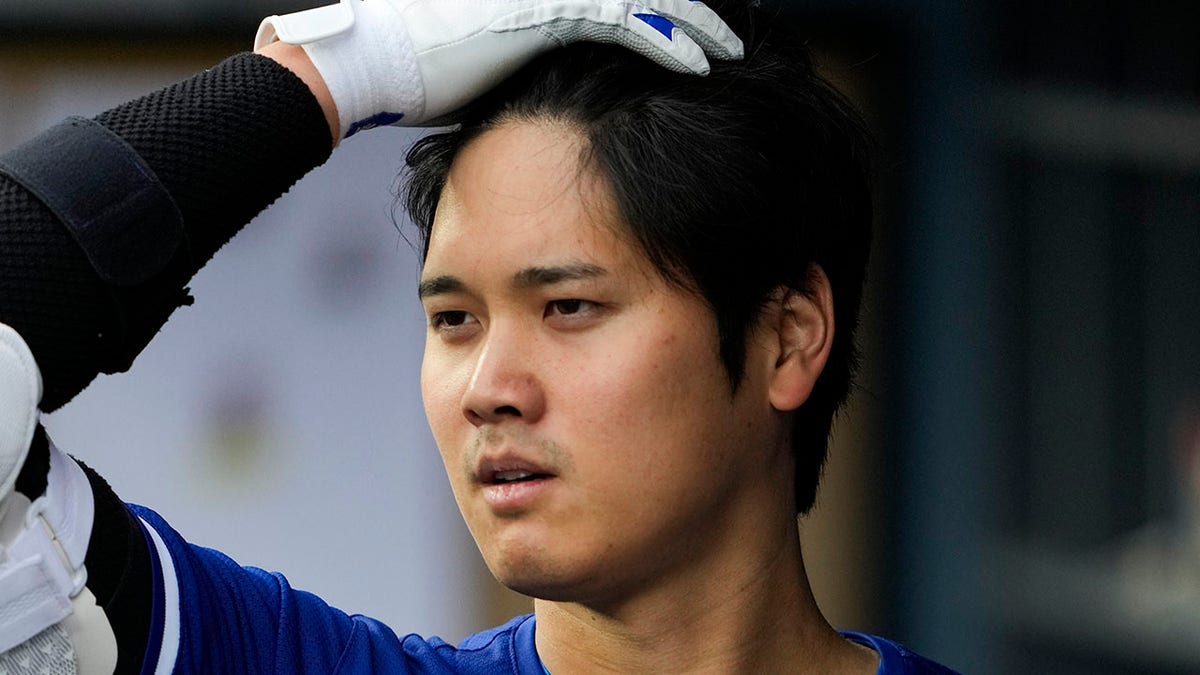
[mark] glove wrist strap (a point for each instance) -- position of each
(362, 52)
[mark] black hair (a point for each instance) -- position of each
(732, 184)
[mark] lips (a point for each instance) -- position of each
(514, 476)
(510, 484)
(504, 470)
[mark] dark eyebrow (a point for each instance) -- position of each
(438, 285)
(544, 276)
(526, 278)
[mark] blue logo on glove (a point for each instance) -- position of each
(382, 119)
(658, 23)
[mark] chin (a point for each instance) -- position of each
(542, 589)
(539, 575)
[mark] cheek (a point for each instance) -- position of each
(677, 374)
(442, 387)
(648, 402)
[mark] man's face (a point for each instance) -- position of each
(587, 427)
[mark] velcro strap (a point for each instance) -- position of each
(37, 542)
(108, 198)
(30, 600)
(306, 26)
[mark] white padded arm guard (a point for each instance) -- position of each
(20, 393)
(411, 62)
(49, 621)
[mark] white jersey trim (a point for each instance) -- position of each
(169, 649)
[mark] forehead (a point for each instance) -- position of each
(519, 192)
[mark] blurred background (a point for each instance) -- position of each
(1016, 485)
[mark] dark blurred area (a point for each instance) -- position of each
(1032, 333)
(1035, 295)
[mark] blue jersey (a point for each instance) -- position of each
(211, 615)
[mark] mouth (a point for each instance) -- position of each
(511, 486)
(505, 468)
(508, 476)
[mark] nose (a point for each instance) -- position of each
(503, 384)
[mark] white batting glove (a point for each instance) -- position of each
(411, 62)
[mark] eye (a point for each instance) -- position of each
(568, 307)
(573, 313)
(450, 320)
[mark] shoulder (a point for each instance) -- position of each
(895, 658)
(217, 616)
(506, 648)
(503, 650)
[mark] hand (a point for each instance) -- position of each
(20, 392)
(411, 62)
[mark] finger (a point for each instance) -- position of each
(701, 24)
(630, 25)
(657, 38)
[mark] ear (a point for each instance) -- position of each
(805, 333)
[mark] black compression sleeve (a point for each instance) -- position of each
(225, 143)
(49, 294)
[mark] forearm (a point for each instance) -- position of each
(294, 58)
(224, 144)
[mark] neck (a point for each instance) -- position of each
(729, 614)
